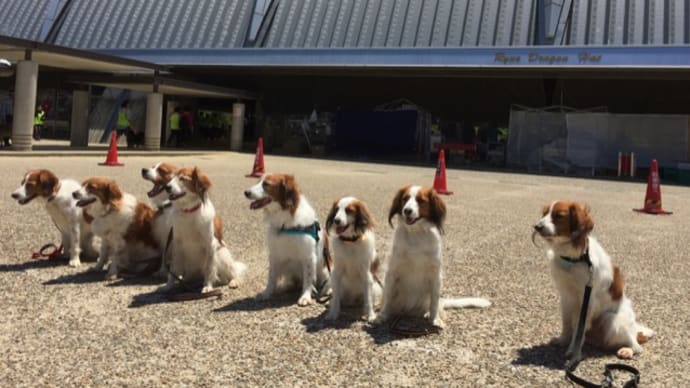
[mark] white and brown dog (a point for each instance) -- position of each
(160, 175)
(414, 277)
(197, 251)
(611, 324)
(354, 257)
(124, 225)
(297, 247)
(72, 223)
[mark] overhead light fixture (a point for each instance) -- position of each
(6, 68)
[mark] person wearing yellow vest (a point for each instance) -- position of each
(38, 122)
(175, 138)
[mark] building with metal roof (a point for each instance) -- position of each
(464, 61)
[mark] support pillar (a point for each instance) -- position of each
(24, 105)
(154, 114)
(79, 123)
(237, 131)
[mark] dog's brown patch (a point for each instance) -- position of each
(106, 190)
(141, 228)
(641, 338)
(431, 207)
(87, 217)
(41, 183)
(617, 285)
(362, 216)
(194, 180)
(165, 172)
(572, 220)
(283, 189)
(327, 256)
(218, 229)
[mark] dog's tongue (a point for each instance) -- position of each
(340, 229)
(410, 221)
(259, 203)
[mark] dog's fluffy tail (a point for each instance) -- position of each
(460, 303)
(229, 269)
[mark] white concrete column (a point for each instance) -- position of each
(237, 131)
(154, 115)
(79, 122)
(24, 105)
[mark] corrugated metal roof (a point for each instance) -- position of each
(27, 19)
(401, 23)
(109, 24)
(629, 22)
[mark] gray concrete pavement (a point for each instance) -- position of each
(63, 327)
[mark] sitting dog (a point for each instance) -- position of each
(414, 278)
(70, 220)
(297, 247)
(160, 175)
(566, 227)
(354, 257)
(197, 251)
(124, 225)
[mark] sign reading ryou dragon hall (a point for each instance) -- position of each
(535, 57)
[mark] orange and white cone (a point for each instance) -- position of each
(111, 158)
(258, 169)
(440, 178)
(652, 200)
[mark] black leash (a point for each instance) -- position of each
(575, 359)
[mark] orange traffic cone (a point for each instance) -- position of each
(111, 158)
(258, 169)
(440, 178)
(652, 200)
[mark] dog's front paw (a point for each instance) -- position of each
(234, 283)
(305, 300)
(74, 262)
(371, 317)
(380, 319)
(110, 276)
(438, 322)
(625, 353)
(206, 289)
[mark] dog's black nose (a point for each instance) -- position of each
(15, 195)
(75, 195)
(538, 227)
(143, 172)
(337, 222)
(168, 188)
(247, 193)
(407, 211)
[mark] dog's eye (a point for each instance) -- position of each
(422, 200)
(264, 184)
(348, 211)
(558, 216)
(406, 198)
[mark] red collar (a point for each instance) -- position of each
(192, 209)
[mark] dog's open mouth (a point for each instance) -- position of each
(176, 196)
(260, 203)
(157, 188)
(85, 202)
(340, 229)
(25, 200)
(411, 221)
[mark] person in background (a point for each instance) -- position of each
(175, 132)
(123, 126)
(187, 123)
(38, 122)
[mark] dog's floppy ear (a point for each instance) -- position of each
(397, 205)
(47, 181)
(437, 210)
(112, 191)
(289, 193)
(200, 181)
(581, 223)
(331, 216)
(363, 219)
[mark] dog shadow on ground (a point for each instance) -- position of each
(345, 321)
(551, 356)
(83, 277)
(32, 264)
(136, 281)
(252, 304)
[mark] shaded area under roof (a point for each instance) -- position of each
(53, 56)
